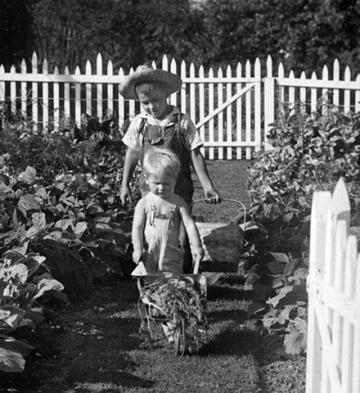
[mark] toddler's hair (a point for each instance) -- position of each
(161, 161)
(147, 87)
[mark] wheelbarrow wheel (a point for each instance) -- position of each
(180, 338)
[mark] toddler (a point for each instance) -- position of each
(158, 217)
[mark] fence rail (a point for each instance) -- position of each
(235, 131)
(333, 348)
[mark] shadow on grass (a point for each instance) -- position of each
(225, 315)
(112, 380)
(222, 292)
(89, 348)
(231, 341)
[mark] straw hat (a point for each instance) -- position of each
(145, 73)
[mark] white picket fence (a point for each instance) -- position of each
(333, 347)
(233, 109)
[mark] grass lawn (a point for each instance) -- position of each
(94, 344)
(230, 179)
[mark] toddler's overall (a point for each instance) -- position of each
(161, 235)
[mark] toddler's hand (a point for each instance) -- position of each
(136, 256)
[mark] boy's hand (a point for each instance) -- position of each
(198, 253)
(212, 196)
(136, 256)
(125, 195)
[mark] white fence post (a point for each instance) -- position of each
(269, 101)
(333, 348)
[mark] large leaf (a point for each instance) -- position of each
(280, 256)
(15, 345)
(4, 190)
(11, 361)
(39, 224)
(65, 223)
(28, 202)
(41, 192)
(48, 285)
(33, 262)
(54, 235)
(23, 248)
(18, 271)
(28, 176)
(295, 342)
(11, 316)
(283, 292)
(275, 267)
(80, 228)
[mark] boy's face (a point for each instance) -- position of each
(161, 185)
(154, 102)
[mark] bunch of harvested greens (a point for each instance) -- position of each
(169, 297)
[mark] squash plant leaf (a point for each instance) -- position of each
(11, 361)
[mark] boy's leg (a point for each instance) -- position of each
(185, 244)
(183, 238)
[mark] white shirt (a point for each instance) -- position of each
(132, 140)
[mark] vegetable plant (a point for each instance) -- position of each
(61, 222)
(309, 153)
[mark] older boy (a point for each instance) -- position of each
(162, 125)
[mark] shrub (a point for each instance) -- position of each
(61, 221)
(309, 154)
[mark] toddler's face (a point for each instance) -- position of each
(154, 102)
(161, 185)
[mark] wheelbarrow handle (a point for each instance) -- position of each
(196, 265)
(226, 200)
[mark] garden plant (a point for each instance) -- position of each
(62, 226)
(310, 153)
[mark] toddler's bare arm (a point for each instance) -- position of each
(138, 231)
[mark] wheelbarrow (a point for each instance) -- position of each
(178, 302)
(222, 241)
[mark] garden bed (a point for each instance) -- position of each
(93, 344)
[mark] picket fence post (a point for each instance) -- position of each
(269, 101)
(333, 347)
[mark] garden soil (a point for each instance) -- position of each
(93, 344)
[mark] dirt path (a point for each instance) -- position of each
(94, 346)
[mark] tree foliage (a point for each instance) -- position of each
(303, 34)
(16, 31)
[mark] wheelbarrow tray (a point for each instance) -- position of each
(222, 242)
(198, 281)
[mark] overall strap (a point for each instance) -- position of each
(142, 124)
